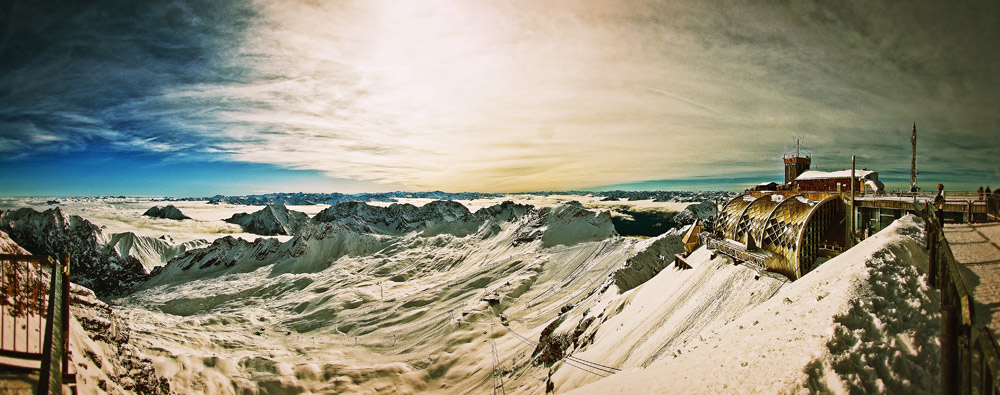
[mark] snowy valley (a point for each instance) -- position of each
(517, 294)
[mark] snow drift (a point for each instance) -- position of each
(862, 322)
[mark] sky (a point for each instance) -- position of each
(197, 98)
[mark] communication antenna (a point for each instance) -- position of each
(913, 159)
(798, 148)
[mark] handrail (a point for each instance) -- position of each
(28, 303)
(22, 305)
(970, 354)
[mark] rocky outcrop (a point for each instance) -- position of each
(9, 246)
(167, 212)
(657, 254)
(702, 211)
(273, 219)
(313, 248)
(437, 217)
(103, 354)
(52, 233)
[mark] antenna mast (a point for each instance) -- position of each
(913, 159)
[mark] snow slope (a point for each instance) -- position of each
(862, 322)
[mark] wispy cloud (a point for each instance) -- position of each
(506, 96)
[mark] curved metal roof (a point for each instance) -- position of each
(771, 223)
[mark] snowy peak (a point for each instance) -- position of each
(434, 218)
(503, 212)
(38, 230)
(273, 219)
(151, 251)
(571, 223)
(313, 248)
(52, 233)
(167, 212)
(397, 219)
(702, 211)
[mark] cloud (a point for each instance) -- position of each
(506, 96)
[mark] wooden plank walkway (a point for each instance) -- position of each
(976, 247)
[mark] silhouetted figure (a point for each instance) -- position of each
(987, 194)
(980, 191)
(940, 196)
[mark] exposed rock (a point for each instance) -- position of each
(273, 219)
(648, 263)
(437, 217)
(167, 212)
(104, 354)
(9, 246)
(52, 233)
(702, 211)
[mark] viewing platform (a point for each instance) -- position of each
(976, 248)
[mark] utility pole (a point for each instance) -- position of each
(913, 159)
(850, 240)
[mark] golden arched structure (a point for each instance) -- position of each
(791, 230)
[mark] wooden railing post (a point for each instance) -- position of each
(65, 311)
(949, 337)
(932, 263)
(50, 377)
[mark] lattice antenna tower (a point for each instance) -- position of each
(797, 153)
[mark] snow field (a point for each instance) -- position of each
(862, 322)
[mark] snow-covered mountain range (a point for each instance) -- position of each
(434, 297)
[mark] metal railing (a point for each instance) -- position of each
(970, 354)
(755, 260)
(34, 318)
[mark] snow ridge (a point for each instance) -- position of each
(273, 219)
(437, 217)
(151, 251)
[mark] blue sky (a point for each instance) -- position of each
(196, 98)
